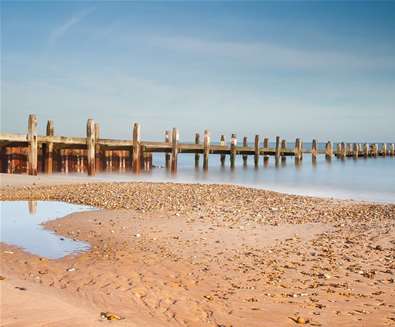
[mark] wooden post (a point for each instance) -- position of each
(167, 155)
(197, 155)
(374, 150)
(66, 161)
(245, 156)
(366, 150)
(206, 149)
(233, 144)
(223, 155)
(265, 148)
(174, 149)
(283, 149)
(256, 151)
(328, 150)
(392, 149)
(98, 150)
(277, 150)
(91, 146)
(384, 149)
(297, 149)
(48, 149)
(32, 147)
(136, 156)
(314, 149)
(342, 150)
(355, 150)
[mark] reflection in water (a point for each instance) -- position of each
(32, 207)
(21, 225)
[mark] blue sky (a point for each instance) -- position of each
(324, 70)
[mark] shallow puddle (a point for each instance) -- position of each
(21, 226)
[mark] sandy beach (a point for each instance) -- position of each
(202, 255)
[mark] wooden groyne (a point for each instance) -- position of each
(33, 153)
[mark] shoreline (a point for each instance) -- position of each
(167, 254)
(22, 180)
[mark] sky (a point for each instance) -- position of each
(322, 70)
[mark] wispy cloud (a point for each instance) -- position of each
(61, 30)
(273, 55)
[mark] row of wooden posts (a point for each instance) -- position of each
(94, 151)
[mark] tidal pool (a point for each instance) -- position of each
(21, 225)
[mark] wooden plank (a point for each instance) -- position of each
(283, 148)
(197, 156)
(206, 141)
(48, 149)
(174, 149)
(32, 147)
(392, 149)
(91, 146)
(232, 155)
(9, 137)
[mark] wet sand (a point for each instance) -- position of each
(205, 255)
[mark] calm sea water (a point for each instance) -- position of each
(21, 226)
(371, 179)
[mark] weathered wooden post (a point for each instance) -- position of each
(297, 149)
(197, 155)
(342, 150)
(174, 149)
(265, 149)
(277, 150)
(91, 146)
(48, 149)
(136, 157)
(355, 150)
(223, 155)
(256, 151)
(314, 149)
(392, 149)
(232, 156)
(206, 145)
(32, 147)
(374, 149)
(366, 150)
(167, 154)
(328, 150)
(384, 149)
(245, 156)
